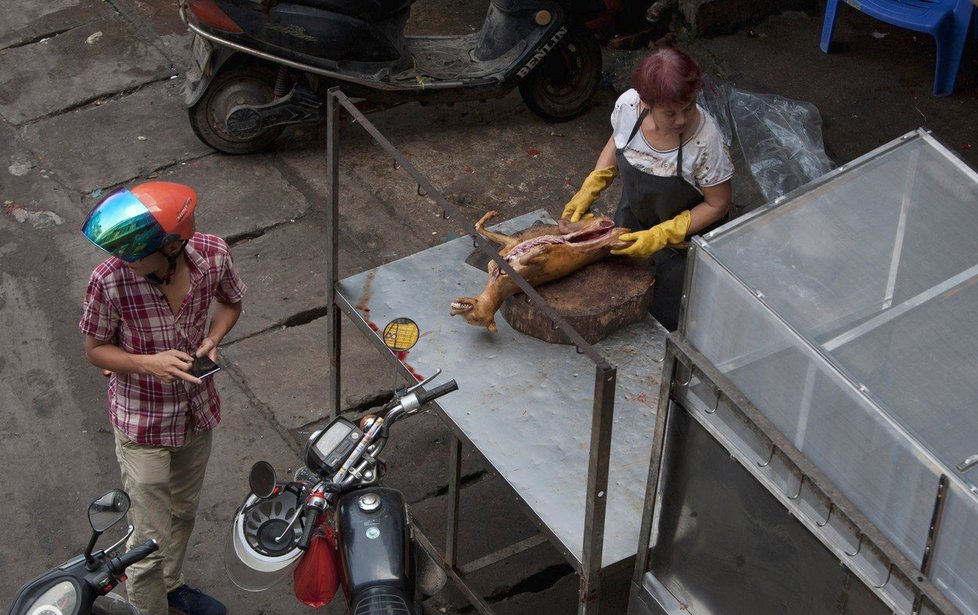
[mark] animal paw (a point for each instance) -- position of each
(481, 224)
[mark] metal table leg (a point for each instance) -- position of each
(454, 478)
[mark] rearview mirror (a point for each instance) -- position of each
(108, 510)
(261, 479)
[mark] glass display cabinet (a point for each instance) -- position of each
(818, 449)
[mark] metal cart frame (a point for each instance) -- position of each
(605, 377)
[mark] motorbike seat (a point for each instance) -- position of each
(367, 10)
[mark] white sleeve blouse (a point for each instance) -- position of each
(706, 159)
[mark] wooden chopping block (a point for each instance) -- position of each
(596, 300)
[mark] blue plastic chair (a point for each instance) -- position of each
(946, 20)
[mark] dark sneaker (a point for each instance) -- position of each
(192, 601)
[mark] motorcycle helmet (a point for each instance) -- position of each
(254, 556)
(133, 223)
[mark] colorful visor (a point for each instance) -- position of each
(122, 226)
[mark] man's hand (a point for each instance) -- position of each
(168, 366)
(207, 348)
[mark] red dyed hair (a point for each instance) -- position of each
(667, 76)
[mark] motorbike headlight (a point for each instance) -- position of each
(56, 597)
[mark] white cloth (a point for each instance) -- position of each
(706, 159)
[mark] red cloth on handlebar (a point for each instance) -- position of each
(316, 577)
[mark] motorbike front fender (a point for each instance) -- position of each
(113, 604)
(194, 86)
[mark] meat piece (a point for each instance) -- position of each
(540, 255)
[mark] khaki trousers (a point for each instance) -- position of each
(164, 486)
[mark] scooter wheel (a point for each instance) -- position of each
(560, 88)
(239, 85)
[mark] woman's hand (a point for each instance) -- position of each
(593, 185)
(605, 171)
(646, 243)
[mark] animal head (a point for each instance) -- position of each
(474, 312)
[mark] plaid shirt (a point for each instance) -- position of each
(124, 309)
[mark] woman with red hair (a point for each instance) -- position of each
(675, 171)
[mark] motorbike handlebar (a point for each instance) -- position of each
(408, 405)
(308, 525)
(119, 564)
(438, 391)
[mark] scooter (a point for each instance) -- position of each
(82, 584)
(261, 65)
(381, 569)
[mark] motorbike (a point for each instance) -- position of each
(82, 584)
(261, 65)
(381, 568)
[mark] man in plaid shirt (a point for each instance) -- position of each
(145, 320)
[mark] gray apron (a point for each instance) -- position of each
(647, 200)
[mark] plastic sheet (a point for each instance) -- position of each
(781, 139)
(715, 98)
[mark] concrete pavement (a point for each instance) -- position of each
(89, 100)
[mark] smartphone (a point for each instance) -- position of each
(203, 367)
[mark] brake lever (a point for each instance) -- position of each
(313, 499)
(112, 548)
(400, 394)
(423, 382)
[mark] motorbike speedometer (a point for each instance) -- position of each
(328, 448)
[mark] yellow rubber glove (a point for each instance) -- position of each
(647, 243)
(593, 185)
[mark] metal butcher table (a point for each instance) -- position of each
(525, 405)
